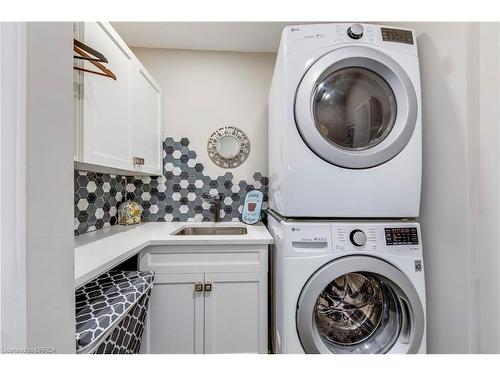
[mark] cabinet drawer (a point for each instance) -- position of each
(193, 259)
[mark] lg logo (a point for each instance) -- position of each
(295, 229)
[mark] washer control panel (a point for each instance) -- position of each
(354, 238)
(358, 237)
(401, 236)
(308, 239)
(396, 238)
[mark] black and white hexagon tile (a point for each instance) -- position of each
(175, 196)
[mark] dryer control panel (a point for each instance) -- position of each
(397, 35)
(302, 38)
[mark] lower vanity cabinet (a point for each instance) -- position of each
(175, 319)
(236, 313)
(218, 307)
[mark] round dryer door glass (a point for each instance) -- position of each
(358, 309)
(354, 108)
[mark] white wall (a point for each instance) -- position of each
(37, 250)
(49, 188)
(12, 184)
(487, 248)
(204, 90)
(448, 190)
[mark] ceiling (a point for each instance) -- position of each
(216, 36)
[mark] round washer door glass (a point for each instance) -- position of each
(358, 308)
(359, 305)
(354, 108)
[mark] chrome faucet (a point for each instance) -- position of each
(215, 201)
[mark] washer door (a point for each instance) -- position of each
(356, 107)
(359, 304)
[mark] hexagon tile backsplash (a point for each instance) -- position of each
(175, 196)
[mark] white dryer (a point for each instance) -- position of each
(345, 123)
(347, 287)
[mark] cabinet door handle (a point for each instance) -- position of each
(198, 287)
(208, 287)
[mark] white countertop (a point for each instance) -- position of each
(99, 251)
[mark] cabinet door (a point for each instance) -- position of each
(175, 316)
(146, 121)
(106, 131)
(236, 313)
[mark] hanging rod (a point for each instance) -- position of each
(92, 56)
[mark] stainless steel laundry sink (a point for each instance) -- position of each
(210, 231)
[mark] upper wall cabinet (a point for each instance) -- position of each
(118, 122)
(146, 126)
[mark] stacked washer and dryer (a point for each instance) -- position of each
(345, 175)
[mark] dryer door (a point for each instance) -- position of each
(356, 107)
(360, 304)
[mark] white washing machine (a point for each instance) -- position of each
(345, 123)
(347, 287)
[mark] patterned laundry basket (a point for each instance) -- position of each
(111, 312)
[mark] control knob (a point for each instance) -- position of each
(355, 31)
(358, 237)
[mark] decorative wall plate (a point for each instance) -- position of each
(228, 147)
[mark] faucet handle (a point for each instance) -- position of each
(212, 198)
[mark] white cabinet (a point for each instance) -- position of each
(207, 299)
(146, 117)
(106, 126)
(116, 121)
(235, 314)
(176, 315)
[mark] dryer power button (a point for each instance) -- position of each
(355, 31)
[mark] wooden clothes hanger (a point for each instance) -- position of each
(92, 56)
